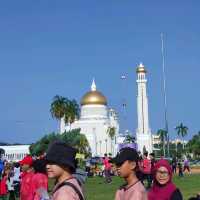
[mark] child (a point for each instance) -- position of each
(180, 170)
(26, 178)
(61, 165)
(127, 167)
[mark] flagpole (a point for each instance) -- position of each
(165, 94)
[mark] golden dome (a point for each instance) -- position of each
(93, 97)
(141, 69)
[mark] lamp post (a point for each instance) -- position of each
(100, 142)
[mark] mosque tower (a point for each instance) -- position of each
(143, 132)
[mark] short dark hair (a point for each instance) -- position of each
(145, 153)
(39, 166)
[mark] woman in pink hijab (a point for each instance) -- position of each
(163, 188)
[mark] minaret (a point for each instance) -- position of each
(143, 133)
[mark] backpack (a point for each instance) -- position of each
(72, 186)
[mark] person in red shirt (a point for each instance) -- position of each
(107, 168)
(146, 169)
(3, 187)
(40, 179)
(26, 192)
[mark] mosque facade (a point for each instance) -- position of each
(95, 120)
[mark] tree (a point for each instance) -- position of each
(73, 138)
(162, 136)
(72, 111)
(194, 145)
(129, 139)
(58, 107)
(111, 133)
(181, 131)
(63, 107)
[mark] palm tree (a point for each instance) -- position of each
(63, 107)
(162, 135)
(129, 139)
(58, 107)
(181, 131)
(111, 133)
(72, 111)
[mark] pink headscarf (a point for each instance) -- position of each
(159, 192)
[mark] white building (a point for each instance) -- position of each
(95, 119)
(143, 132)
(14, 152)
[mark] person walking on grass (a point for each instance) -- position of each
(107, 168)
(26, 178)
(61, 164)
(163, 187)
(126, 163)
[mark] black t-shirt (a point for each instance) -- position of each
(176, 195)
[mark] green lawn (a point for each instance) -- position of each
(96, 189)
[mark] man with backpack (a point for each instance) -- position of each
(61, 164)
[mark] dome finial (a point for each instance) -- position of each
(141, 65)
(141, 68)
(93, 86)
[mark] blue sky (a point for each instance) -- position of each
(57, 47)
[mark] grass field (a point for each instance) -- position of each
(96, 189)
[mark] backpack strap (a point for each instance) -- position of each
(72, 186)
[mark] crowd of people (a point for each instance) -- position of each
(145, 177)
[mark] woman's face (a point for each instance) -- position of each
(125, 169)
(162, 175)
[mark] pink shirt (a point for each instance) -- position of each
(67, 192)
(146, 166)
(134, 192)
(39, 181)
(106, 163)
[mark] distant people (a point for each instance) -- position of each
(153, 162)
(26, 178)
(174, 165)
(10, 186)
(186, 165)
(126, 163)
(107, 168)
(3, 186)
(61, 164)
(163, 188)
(16, 179)
(180, 169)
(146, 167)
(1, 167)
(39, 179)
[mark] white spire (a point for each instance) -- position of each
(141, 65)
(93, 86)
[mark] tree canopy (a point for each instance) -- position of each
(73, 138)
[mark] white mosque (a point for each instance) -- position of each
(95, 120)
